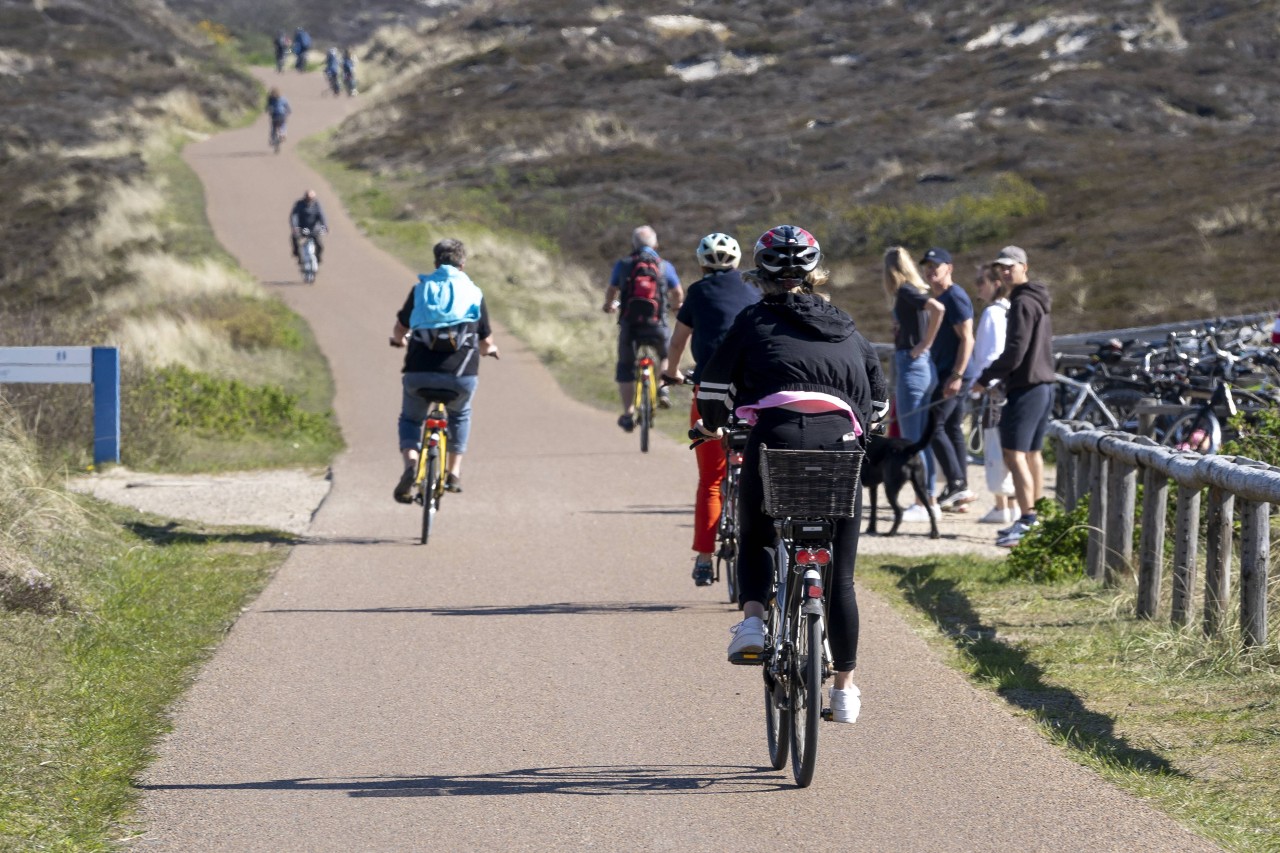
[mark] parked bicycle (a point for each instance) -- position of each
(429, 480)
(805, 491)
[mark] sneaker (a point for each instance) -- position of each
(915, 512)
(748, 638)
(627, 422)
(703, 573)
(955, 496)
(452, 483)
(845, 704)
(1015, 534)
(664, 399)
(401, 493)
(997, 516)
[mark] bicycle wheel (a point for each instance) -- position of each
(430, 498)
(806, 698)
(1197, 430)
(777, 718)
(728, 556)
(1124, 403)
(645, 411)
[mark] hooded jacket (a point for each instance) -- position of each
(791, 342)
(1027, 358)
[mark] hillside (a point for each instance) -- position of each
(1129, 150)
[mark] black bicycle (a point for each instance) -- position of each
(806, 492)
(735, 443)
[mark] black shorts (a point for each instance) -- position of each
(1025, 418)
(629, 340)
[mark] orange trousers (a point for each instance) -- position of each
(706, 507)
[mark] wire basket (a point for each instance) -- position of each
(810, 483)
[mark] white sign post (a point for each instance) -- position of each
(97, 366)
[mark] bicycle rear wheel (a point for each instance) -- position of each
(645, 411)
(806, 698)
(430, 493)
(777, 718)
(727, 558)
(1199, 431)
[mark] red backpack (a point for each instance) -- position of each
(642, 291)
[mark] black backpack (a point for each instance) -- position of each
(642, 297)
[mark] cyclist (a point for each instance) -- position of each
(307, 213)
(705, 316)
(349, 71)
(799, 372)
(445, 323)
(641, 288)
(331, 64)
(278, 109)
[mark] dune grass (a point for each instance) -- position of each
(1188, 724)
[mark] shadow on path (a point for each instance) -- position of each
(1017, 679)
(176, 533)
(579, 781)
(643, 509)
(560, 608)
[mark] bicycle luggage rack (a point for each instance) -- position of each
(810, 483)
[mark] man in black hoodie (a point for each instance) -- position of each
(1026, 368)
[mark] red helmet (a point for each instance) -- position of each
(787, 252)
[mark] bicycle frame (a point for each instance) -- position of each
(434, 452)
(646, 380)
(1084, 394)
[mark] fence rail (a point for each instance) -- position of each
(1105, 464)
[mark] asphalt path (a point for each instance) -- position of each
(544, 675)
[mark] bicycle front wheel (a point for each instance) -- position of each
(777, 718)
(430, 497)
(806, 698)
(1199, 431)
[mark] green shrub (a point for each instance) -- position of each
(1257, 436)
(1054, 550)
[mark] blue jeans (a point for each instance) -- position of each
(413, 409)
(913, 383)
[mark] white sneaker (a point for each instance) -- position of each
(997, 516)
(748, 637)
(915, 512)
(845, 704)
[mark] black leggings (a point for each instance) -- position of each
(787, 430)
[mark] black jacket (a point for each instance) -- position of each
(791, 342)
(306, 215)
(1027, 358)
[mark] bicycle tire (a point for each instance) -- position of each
(430, 494)
(1123, 403)
(806, 698)
(730, 558)
(777, 718)
(645, 411)
(1182, 430)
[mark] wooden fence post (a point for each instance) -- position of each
(1123, 487)
(1217, 564)
(1065, 485)
(1098, 493)
(1155, 496)
(1255, 552)
(1184, 553)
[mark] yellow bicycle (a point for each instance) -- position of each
(646, 395)
(428, 481)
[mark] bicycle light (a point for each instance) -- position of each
(813, 556)
(812, 584)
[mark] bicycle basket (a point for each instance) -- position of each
(810, 483)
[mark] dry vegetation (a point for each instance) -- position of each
(1138, 138)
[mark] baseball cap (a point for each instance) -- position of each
(1011, 255)
(936, 256)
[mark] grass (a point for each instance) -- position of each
(1190, 725)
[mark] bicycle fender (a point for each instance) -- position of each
(811, 607)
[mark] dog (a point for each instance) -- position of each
(894, 462)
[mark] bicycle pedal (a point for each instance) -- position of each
(747, 658)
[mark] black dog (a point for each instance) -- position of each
(895, 462)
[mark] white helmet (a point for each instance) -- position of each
(719, 252)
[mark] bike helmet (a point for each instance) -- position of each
(719, 252)
(787, 252)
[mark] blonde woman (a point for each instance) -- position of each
(989, 343)
(917, 316)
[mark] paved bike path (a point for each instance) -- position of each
(544, 675)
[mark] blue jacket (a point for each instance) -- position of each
(444, 298)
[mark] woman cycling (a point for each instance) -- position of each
(796, 369)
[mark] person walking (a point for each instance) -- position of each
(951, 349)
(917, 316)
(642, 287)
(705, 316)
(988, 342)
(1025, 366)
(444, 323)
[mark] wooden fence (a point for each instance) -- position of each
(1106, 465)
